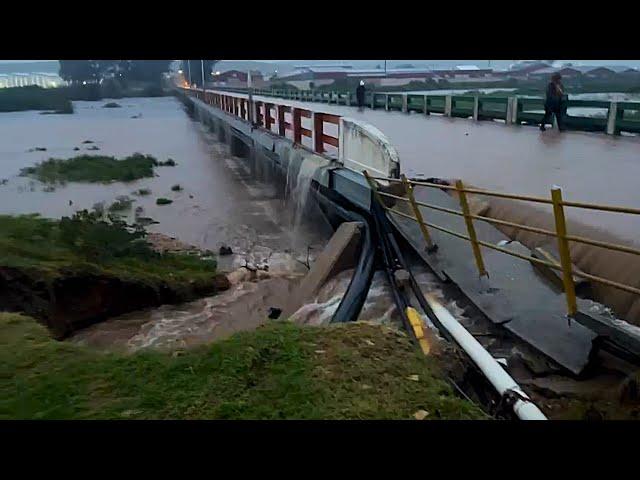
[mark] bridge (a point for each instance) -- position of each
(590, 167)
(356, 175)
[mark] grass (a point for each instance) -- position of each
(49, 249)
(93, 168)
(280, 371)
(34, 98)
(163, 201)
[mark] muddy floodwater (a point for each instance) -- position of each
(220, 202)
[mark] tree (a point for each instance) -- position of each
(76, 71)
(146, 70)
(196, 70)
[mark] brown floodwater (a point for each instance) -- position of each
(220, 201)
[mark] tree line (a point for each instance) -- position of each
(92, 71)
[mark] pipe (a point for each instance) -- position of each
(358, 289)
(451, 329)
(352, 301)
(523, 407)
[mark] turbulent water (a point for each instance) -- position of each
(221, 203)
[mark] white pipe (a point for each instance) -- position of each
(501, 380)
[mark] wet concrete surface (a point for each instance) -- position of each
(590, 167)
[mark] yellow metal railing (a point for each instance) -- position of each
(560, 233)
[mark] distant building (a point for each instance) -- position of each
(237, 79)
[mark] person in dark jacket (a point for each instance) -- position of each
(360, 91)
(555, 103)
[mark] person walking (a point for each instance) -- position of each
(360, 91)
(555, 102)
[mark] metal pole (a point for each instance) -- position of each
(464, 204)
(202, 67)
(189, 67)
(249, 86)
(563, 249)
(416, 210)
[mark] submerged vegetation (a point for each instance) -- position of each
(280, 371)
(93, 168)
(34, 98)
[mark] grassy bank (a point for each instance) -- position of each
(71, 272)
(93, 168)
(34, 98)
(277, 372)
(90, 243)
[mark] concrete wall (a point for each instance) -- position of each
(364, 147)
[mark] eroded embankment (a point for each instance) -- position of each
(75, 271)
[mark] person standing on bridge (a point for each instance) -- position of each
(554, 101)
(360, 91)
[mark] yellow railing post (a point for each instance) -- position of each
(418, 214)
(471, 229)
(563, 248)
(373, 187)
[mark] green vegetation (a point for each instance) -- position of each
(87, 242)
(122, 203)
(176, 188)
(168, 163)
(163, 201)
(280, 371)
(34, 98)
(93, 168)
(142, 192)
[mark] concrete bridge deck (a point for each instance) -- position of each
(589, 167)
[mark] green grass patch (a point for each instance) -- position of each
(163, 201)
(280, 371)
(89, 243)
(93, 168)
(34, 98)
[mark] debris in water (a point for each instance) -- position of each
(94, 147)
(225, 250)
(274, 312)
(75, 149)
(413, 378)
(88, 141)
(163, 201)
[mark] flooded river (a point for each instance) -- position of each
(220, 203)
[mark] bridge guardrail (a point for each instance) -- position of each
(617, 116)
(560, 233)
(355, 140)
